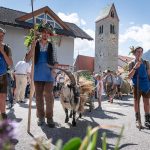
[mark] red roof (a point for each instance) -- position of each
(87, 62)
(84, 63)
(125, 58)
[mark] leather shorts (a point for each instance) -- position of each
(3, 83)
(138, 94)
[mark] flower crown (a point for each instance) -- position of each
(44, 26)
(38, 29)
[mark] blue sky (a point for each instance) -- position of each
(133, 14)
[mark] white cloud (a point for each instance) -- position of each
(83, 22)
(85, 47)
(82, 47)
(139, 34)
(73, 18)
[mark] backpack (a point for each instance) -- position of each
(6, 49)
(146, 62)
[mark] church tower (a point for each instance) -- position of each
(106, 40)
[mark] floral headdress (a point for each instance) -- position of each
(38, 29)
(44, 26)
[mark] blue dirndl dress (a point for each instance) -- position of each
(3, 65)
(41, 71)
(144, 82)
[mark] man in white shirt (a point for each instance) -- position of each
(22, 69)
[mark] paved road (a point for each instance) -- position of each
(119, 113)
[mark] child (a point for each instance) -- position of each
(99, 87)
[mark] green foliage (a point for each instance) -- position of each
(29, 38)
(126, 68)
(104, 143)
(87, 75)
(92, 143)
(88, 143)
(118, 140)
(35, 34)
(72, 144)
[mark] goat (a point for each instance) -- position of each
(74, 96)
(70, 100)
(70, 96)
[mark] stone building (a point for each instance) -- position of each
(106, 40)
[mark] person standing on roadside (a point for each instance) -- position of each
(22, 69)
(43, 76)
(5, 62)
(139, 73)
(100, 90)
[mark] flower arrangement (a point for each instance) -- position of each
(7, 134)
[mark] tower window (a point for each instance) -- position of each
(112, 29)
(101, 29)
(112, 14)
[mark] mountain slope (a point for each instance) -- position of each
(146, 55)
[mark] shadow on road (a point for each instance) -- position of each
(116, 113)
(99, 114)
(126, 145)
(125, 104)
(79, 131)
(11, 115)
(111, 146)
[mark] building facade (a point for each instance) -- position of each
(84, 63)
(18, 24)
(106, 40)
